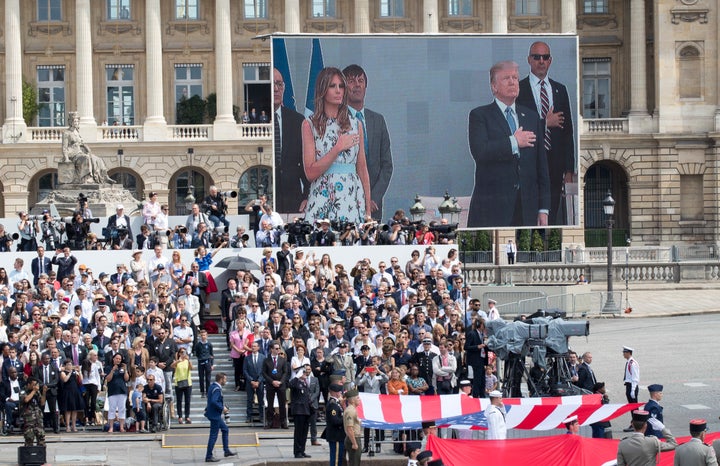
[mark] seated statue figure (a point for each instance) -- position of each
(89, 168)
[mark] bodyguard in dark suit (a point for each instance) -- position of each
(476, 356)
(214, 411)
(292, 192)
(275, 373)
(511, 172)
(48, 375)
(377, 143)
(41, 264)
(254, 382)
(559, 141)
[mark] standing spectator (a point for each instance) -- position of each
(92, 372)
(238, 349)
(444, 367)
(598, 428)
(510, 250)
(586, 376)
(70, 392)
(275, 373)
(183, 384)
(116, 380)
(10, 392)
(254, 384)
(353, 428)
(301, 408)
(423, 360)
(495, 415)
(66, 264)
(214, 411)
(203, 351)
(164, 350)
(372, 380)
(631, 378)
(151, 210)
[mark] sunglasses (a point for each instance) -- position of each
(537, 56)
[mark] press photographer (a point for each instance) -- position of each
(368, 232)
(6, 240)
(215, 206)
(51, 230)
(267, 236)
(119, 230)
(239, 240)
(28, 228)
(180, 238)
(348, 233)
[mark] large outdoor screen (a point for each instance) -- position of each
(418, 114)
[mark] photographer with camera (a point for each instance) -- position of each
(195, 219)
(215, 206)
(394, 234)
(368, 232)
(28, 228)
(77, 231)
(51, 230)
(239, 241)
(180, 238)
(6, 239)
(119, 225)
(348, 234)
(267, 236)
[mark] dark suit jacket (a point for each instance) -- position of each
(285, 262)
(35, 267)
(300, 402)
(82, 353)
(6, 365)
(293, 184)
(252, 372)
(473, 354)
(215, 403)
(282, 373)
(66, 265)
(226, 300)
(5, 388)
(585, 378)
(112, 223)
(499, 173)
(140, 240)
(379, 158)
(561, 158)
(53, 379)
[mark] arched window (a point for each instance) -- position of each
(129, 181)
(179, 190)
(255, 181)
(44, 185)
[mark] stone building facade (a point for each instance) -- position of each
(648, 77)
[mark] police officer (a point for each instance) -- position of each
(653, 407)
(334, 432)
(695, 452)
(32, 400)
(636, 449)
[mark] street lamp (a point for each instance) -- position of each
(455, 211)
(190, 198)
(446, 205)
(417, 211)
(610, 306)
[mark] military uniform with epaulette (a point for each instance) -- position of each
(335, 433)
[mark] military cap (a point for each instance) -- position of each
(656, 387)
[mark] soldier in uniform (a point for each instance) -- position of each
(353, 428)
(342, 360)
(423, 359)
(653, 407)
(32, 400)
(300, 405)
(638, 450)
(334, 432)
(695, 452)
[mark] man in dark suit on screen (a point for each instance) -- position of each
(292, 184)
(553, 105)
(377, 143)
(511, 171)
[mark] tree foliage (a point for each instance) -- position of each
(30, 105)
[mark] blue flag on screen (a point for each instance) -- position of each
(316, 65)
(280, 61)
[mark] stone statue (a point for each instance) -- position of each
(89, 168)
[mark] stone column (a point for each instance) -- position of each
(638, 87)
(362, 17)
(292, 15)
(155, 126)
(499, 17)
(568, 15)
(430, 16)
(83, 61)
(14, 124)
(225, 127)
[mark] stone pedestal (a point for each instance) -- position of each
(102, 199)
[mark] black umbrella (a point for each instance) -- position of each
(238, 263)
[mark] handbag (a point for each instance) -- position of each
(183, 384)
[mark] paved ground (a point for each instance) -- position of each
(275, 447)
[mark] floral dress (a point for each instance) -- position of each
(337, 194)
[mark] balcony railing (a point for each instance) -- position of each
(120, 133)
(605, 126)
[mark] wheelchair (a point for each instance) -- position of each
(16, 422)
(164, 418)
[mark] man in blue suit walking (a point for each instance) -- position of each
(214, 411)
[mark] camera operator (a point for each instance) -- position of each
(220, 237)
(394, 235)
(255, 206)
(324, 236)
(51, 231)
(83, 206)
(349, 234)
(28, 228)
(77, 231)
(267, 236)
(215, 207)
(368, 232)
(240, 240)
(5, 240)
(117, 223)
(202, 236)
(298, 231)
(180, 238)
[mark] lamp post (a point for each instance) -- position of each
(455, 211)
(445, 206)
(189, 198)
(610, 307)
(417, 211)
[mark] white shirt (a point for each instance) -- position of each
(535, 87)
(632, 372)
